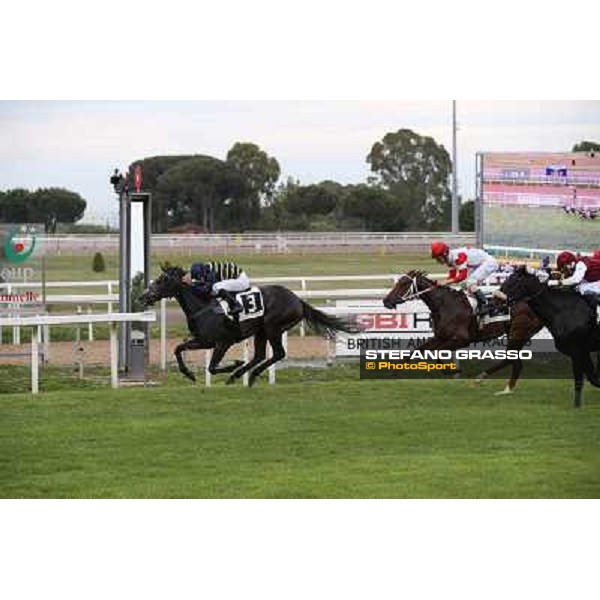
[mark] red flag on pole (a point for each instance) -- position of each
(137, 178)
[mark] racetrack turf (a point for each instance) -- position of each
(316, 434)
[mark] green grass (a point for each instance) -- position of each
(74, 268)
(316, 434)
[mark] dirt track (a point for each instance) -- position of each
(97, 352)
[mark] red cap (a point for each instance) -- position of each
(439, 249)
(564, 259)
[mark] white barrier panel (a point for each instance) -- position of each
(410, 320)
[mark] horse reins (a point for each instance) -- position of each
(413, 285)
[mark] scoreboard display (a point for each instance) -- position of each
(540, 200)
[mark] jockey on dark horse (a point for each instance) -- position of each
(222, 280)
(583, 272)
(468, 267)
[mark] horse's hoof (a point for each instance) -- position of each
(188, 374)
(252, 381)
(505, 392)
(480, 379)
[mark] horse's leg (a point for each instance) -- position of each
(516, 364)
(217, 355)
(260, 353)
(278, 354)
(193, 344)
(577, 362)
(435, 343)
(588, 367)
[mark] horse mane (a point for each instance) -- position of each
(170, 269)
(425, 275)
(418, 273)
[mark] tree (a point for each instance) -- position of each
(201, 190)
(45, 205)
(260, 173)
(259, 170)
(153, 168)
(15, 206)
(52, 205)
(586, 147)
(315, 199)
(416, 170)
(98, 264)
(378, 209)
(466, 216)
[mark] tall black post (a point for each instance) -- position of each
(124, 277)
(121, 188)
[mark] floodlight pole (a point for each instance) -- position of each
(455, 207)
(124, 276)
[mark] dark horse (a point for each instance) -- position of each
(568, 317)
(211, 328)
(455, 326)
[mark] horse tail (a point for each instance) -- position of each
(325, 324)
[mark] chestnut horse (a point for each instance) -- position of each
(455, 326)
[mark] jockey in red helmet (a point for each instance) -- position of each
(583, 272)
(468, 266)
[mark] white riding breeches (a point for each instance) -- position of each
(589, 287)
(482, 272)
(232, 285)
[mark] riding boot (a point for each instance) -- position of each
(234, 308)
(483, 307)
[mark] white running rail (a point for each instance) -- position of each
(37, 322)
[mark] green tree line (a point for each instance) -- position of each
(45, 205)
(408, 189)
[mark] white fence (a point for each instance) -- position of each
(526, 253)
(283, 242)
(84, 302)
(37, 322)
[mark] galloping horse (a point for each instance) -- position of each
(568, 317)
(455, 326)
(212, 328)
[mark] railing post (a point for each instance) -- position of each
(35, 360)
(207, 373)
(163, 334)
(302, 327)
(114, 356)
(109, 306)
(246, 357)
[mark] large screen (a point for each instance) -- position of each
(540, 200)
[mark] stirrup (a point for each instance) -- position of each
(235, 308)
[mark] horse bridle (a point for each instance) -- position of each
(413, 291)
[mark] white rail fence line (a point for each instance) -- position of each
(531, 253)
(281, 242)
(87, 300)
(37, 322)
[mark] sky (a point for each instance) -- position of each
(77, 144)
